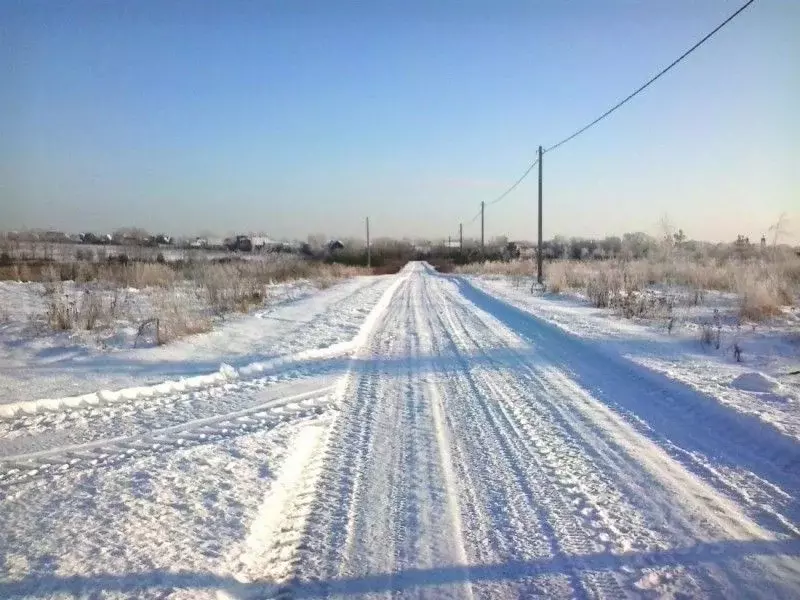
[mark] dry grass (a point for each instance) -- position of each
(138, 275)
(92, 296)
(515, 268)
(762, 298)
(173, 321)
(238, 286)
(86, 309)
(763, 285)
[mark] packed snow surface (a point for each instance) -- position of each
(420, 435)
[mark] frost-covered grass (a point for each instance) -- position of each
(706, 345)
(763, 286)
(237, 286)
(164, 301)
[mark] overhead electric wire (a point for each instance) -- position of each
(472, 220)
(615, 107)
(516, 183)
(643, 87)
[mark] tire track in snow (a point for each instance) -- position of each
(105, 452)
(236, 390)
(548, 458)
(459, 452)
(532, 376)
(331, 535)
(300, 511)
(535, 521)
(764, 475)
(266, 566)
(38, 414)
(381, 503)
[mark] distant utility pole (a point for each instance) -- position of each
(483, 205)
(539, 251)
(369, 248)
(448, 242)
(461, 238)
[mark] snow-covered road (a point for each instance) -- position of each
(457, 447)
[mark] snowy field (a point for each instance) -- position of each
(418, 435)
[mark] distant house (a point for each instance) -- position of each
(260, 243)
(54, 237)
(91, 238)
(240, 243)
(198, 243)
(335, 245)
(126, 239)
(244, 243)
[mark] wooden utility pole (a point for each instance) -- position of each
(539, 250)
(461, 238)
(369, 248)
(483, 206)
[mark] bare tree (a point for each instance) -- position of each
(779, 229)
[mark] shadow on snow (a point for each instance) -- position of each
(712, 553)
(675, 413)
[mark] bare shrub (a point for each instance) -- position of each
(138, 274)
(147, 323)
(62, 312)
(557, 281)
(598, 291)
(84, 254)
(175, 320)
(763, 285)
(91, 309)
(706, 334)
(240, 285)
(67, 310)
(759, 300)
(228, 287)
(117, 300)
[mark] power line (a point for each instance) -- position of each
(662, 72)
(472, 220)
(514, 186)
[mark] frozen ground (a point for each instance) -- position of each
(412, 436)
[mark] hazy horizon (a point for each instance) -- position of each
(294, 119)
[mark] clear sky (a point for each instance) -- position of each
(298, 117)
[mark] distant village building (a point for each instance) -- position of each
(54, 237)
(91, 238)
(335, 245)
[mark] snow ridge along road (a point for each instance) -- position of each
(452, 446)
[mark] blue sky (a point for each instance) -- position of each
(302, 117)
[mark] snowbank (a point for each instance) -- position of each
(225, 374)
